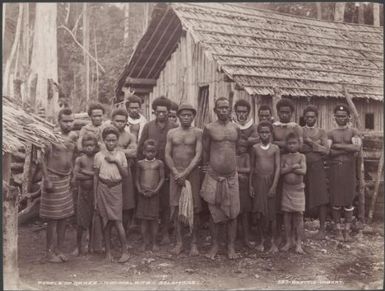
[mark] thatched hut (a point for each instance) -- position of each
(198, 51)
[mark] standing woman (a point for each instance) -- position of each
(315, 147)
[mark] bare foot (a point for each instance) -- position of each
(299, 250)
(177, 249)
(194, 250)
(348, 238)
(123, 258)
(320, 235)
(273, 249)
(109, 258)
(155, 247)
(76, 252)
(212, 253)
(248, 244)
(143, 247)
(52, 258)
(165, 239)
(231, 254)
(286, 247)
(62, 257)
(339, 236)
(260, 247)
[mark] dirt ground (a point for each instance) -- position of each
(326, 265)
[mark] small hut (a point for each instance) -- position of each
(24, 135)
(198, 51)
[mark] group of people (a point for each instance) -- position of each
(167, 172)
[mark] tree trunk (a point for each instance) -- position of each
(7, 80)
(126, 23)
(96, 66)
(86, 44)
(10, 194)
(146, 12)
(24, 52)
(319, 10)
(339, 11)
(376, 14)
(4, 15)
(44, 61)
(361, 13)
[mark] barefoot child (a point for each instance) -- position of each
(265, 168)
(243, 168)
(57, 203)
(110, 169)
(149, 180)
(293, 170)
(83, 176)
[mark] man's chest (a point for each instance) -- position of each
(280, 132)
(224, 133)
(342, 136)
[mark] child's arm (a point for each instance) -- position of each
(137, 178)
(86, 173)
(161, 178)
(44, 161)
(80, 173)
(252, 162)
(122, 167)
(96, 181)
(277, 163)
(302, 169)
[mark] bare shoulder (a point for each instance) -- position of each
(275, 148)
(197, 131)
(139, 164)
(160, 163)
(172, 131)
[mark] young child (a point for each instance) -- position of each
(110, 169)
(149, 180)
(265, 165)
(95, 112)
(293, 170)
(57, 203)
(243, 167)
(83, 176)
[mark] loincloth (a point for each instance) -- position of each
(175, 190)
(85, 207)
(148, 207)
(262, 203)
(293, 197)
(342, 182)
(59, 203)
(109, 201)
(315, 185)
(222, 195)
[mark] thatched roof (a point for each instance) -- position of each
(262, 49)
(21, 127)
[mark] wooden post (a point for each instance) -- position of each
(376, 14)
(361, 13)
(361, 172)
(339, 11)
(275, 98)
(10, 216)
(376, 187)
(319, 10)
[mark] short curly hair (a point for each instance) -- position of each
(173, 106)
(89, 136)
(64, 111)
(94, 106)
(220, 99)
(310, 108)
(292, 135)
(264, 108)
(119, 111)
(150, 142)
(284, 102)
(110, 130)
(133, 99)
(265, 124)
(242, 102)
(161, 101)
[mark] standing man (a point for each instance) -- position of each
(183, 154)
(172, 114)
(157, 129)
(127, 144)
(248, 137)
(315, 147)
(281, 129)
(95, 112)
(344, 144)
(135, 120)
(265, 114)
(57, 203)
(220, 187)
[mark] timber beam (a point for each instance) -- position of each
(140, 81)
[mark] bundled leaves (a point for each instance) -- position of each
(20, 127)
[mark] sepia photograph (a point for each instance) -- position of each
(193, 145)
